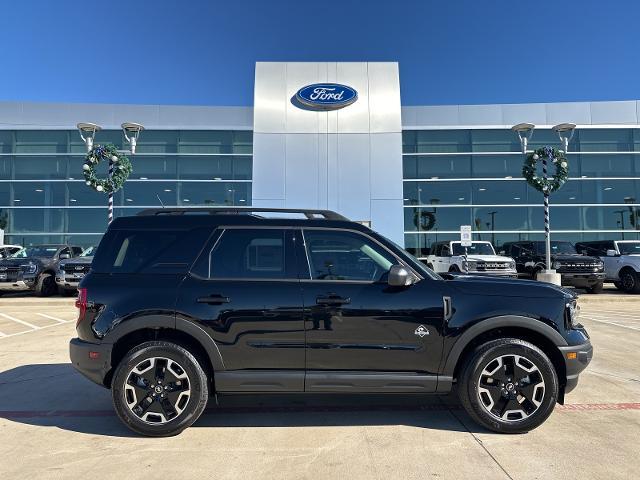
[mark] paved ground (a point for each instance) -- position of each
(55, 424)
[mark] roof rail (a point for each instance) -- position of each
(309, 213)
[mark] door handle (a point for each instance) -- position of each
(214, 299)
(332, 300)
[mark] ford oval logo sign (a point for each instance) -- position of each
(324, 96)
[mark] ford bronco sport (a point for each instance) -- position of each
(182, 304)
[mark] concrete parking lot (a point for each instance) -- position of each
(56, 424)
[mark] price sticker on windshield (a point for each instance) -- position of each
(465, 235)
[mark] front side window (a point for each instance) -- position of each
(250, 254)
(347, 256)
(629, 248)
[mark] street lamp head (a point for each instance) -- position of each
(524, 131)
(565, 133)
(131, 133)
(88, 133)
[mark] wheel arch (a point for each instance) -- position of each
(184, 333)
(534, 331)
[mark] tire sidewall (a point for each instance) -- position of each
(197, 380)
(481, 358)
(46, 285)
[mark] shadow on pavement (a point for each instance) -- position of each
(55, 395)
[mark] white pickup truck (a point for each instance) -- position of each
(621, 261)
(480, 258)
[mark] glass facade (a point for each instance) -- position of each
(43, 197)
(474, 177)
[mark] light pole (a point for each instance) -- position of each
(131, 132)
(633, 212)
(493, 227)
(621, 221)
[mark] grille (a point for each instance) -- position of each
(78, 268)
(10, 272)
(492, 266)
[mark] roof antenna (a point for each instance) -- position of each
(158, 197)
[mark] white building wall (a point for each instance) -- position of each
(348, 160)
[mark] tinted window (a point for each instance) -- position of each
(629, 248)
(247, 254)
(337, 255)
(477, 248)
(149, 251)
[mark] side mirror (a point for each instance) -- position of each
(612, 253)
(64, 256)
(502, 252)
(399, 277)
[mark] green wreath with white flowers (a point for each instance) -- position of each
(121, 168)
(553, 182)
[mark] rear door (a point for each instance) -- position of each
(244, 292)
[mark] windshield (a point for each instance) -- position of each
(629, 248)
(476, 248)
(88, 252)
(557, 248)
(46, 252)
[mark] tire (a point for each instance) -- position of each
(630, 281)
(597, 288)
(46, 285)
(150, 364)
(618, 285)
(500, 358)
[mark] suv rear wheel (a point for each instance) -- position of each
(508, 386)
(159, 389)
(630, 281)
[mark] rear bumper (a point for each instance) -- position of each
(91, 359)
(575, 364)
(582, 279)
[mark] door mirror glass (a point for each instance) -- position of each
(611, 253)
(64, 256)
(399, 276)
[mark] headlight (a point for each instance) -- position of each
(573, 312)
(600, 265)
(29, 268)
(557, 265)
(471, 266)
(61, 266)
(512, 265)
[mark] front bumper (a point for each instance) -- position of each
(582, 279)
(494, 273)
(17, 286)
(576, 358)
(92, 360)
(67, 283)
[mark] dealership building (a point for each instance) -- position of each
(415, 173)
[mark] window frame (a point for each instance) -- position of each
(307, 262)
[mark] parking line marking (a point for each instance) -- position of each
(17, 320)
(612, 323)
(9, 335)
(59, 320)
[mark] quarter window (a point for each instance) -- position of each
(348, 256)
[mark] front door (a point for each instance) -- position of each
(244, 292)
(362, 334)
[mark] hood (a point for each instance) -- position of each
(22, 261)
(505, 287)
(489, 258)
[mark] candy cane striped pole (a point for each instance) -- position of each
(111, 193)
(547, 237)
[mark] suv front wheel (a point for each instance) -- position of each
(159, 389)
(508, 386)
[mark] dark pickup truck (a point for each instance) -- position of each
(575, 269)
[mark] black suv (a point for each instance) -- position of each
(34, 268)
(182, 304)
(575, 269)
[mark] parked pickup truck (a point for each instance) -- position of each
(621, 261)
(480, 258)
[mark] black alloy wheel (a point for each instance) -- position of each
(159, 389)
(508, 386)
(629, 281)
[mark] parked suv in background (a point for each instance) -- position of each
(71, 271)
(181, 304)
(33, 268)
(480, 258)
(621, 261)
(576, 270)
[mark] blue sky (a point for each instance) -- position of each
(203, 52)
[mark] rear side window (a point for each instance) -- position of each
(149, 251)
(252, 254)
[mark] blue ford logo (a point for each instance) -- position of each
(324, 96)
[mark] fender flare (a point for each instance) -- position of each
(170, 322)
(497, 322)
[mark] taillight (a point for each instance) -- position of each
(81, 303)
